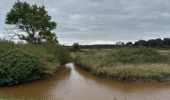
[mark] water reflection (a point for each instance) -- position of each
(35, 89)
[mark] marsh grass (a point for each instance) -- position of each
(127, 64)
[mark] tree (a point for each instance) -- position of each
(76, 47)
(155, 43)
(141, 43)
(166, 42)
(129, 44)
(33, 20)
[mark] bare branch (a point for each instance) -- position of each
(12, 32)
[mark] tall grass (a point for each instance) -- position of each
(51, 54)
(20, 60)
(127, 64)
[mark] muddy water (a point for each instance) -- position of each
(77, 84)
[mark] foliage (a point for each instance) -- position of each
(129, 44)
(33, 20)
(154, 43)
(52, 55)
(125, 64)
(136, 55)
(17, 66)
(59, 52)
(6, 45)
(98, 46)
(76, 47)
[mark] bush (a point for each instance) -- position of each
(6, 45)
(17, 66)
(76, 47)
(63, 55)
(136, 55)
(60, 52)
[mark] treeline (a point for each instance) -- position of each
(153, 43)
(98, 46)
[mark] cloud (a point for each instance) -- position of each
(88, 21)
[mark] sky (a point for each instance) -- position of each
(102, 21)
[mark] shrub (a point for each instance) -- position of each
(76, 47)
(6, 45)
(17, 66)
(136, 55)
(62, 54)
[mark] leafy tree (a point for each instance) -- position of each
(166, 42)
(129, 44)
(155, 42)
(33, 20)
(76, 47)
(141, 43)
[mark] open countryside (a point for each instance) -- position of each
(36, 64)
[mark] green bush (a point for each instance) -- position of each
(17, 66)
(6, 45)
(63, 55)
(76, 47)
(136, 55)
(59, 52)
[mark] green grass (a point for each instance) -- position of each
(12, 98)
(126, 64)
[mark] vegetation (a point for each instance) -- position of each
(39, 55)
(135, 56)
(33, 20)
(24, 62)
(76, 47)
(152, 43)
(126, 64)
(17, 66)
(98, 46)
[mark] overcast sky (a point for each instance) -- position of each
(103, 21)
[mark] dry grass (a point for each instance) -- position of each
(99, 63)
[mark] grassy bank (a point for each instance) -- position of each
(25, 62)
(126, 64)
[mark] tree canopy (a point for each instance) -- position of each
(33, 20)
(76, 47)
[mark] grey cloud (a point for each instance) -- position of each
(107, 21)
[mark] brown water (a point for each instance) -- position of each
(77, 84)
